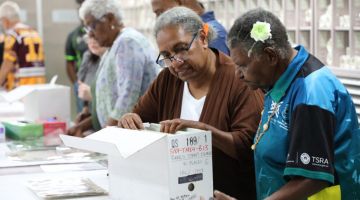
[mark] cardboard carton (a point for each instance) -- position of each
(152, 165)
(42, 101)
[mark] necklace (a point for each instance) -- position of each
(265, 126)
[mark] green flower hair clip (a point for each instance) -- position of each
(260, 31)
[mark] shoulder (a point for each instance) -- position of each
(133, 41)
(320, 88)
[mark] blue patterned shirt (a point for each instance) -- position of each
(125, 72)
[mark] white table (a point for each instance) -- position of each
(13, 187)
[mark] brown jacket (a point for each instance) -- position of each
(229, 106)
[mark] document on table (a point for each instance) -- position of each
(32, 158)
(54, 188)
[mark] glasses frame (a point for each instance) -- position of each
(174, 57)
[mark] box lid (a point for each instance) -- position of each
(24, 90)
(113, 140)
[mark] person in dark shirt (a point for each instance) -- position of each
(74, 50)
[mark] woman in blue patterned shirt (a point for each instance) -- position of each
(126, 69)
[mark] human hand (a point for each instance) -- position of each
(171, 126)
(84, 91)
(75, 131)
(131, 121)
(85, 113)
(221, 196)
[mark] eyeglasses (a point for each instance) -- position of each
(180, 55)
(91, 27)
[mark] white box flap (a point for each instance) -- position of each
(89, 145)
(127, 141)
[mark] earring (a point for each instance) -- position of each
(112, 27)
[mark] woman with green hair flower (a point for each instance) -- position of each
(308, 141)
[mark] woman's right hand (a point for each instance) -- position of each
(131, 121)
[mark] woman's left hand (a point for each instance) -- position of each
(171, 126)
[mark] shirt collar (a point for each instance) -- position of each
(208, 16)
(285, 80)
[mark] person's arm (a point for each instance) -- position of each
(298, 188)
(5, 69)
(311, 136)
(70, 56)
(9, 58)
(80, 128)
(71, 71)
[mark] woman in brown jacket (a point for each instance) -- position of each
(198, 89)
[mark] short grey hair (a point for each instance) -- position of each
(99, 8)
(10, 10)
(183, 17)
(239, 34)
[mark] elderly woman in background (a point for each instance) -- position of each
(308, 141)
(198, 89)
(86, 75)
(126, 69)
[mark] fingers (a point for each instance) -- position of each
(131, 124)
(71, 131)
(78, 133)
(221, 196)
(170, 126)
(138, 122)
(174, 126)
(131, 121)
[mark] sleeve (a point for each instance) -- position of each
(147, 105)
(10, 48)
(130, 68)
(311, 150)
(245, 120)
(84, 66)
(70, 54)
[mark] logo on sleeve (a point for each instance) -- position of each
(305, 158)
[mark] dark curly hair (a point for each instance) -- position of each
(239, 34)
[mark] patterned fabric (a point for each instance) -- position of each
(125, 72)
(314, 132)
(24, 47)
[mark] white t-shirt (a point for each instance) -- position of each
(191, 108)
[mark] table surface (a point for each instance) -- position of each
(13, 180)
(14, 187)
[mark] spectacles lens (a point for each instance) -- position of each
(161, 63)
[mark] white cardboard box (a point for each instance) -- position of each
(153, 165)
(42, 101)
